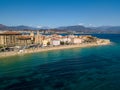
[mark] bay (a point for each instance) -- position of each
(92, 68)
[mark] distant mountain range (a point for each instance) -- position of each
(75, 28)
(108, 29)
(21, 27)
(101, 29)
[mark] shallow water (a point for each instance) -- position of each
(94, 68)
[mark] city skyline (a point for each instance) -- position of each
(55, 13)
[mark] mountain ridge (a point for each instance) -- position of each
(76, 28)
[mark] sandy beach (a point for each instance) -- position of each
(35, 50)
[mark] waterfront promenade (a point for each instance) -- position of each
(35, 50)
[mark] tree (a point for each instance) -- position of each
(67, 43)
(62, 43)
(48, 43)
(1, 46)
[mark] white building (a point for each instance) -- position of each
(77, 40)
(44, 42)
(65, 40)
(55, 42)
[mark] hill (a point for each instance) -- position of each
(75, 29)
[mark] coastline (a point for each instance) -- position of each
(36, 50)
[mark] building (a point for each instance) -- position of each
(9, 38)
(77, 40)
(65, 39)
(38, 38)
(55, 42)
(45, 42)
(32, 35)
(24, 40)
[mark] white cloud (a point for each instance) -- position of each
(39, 26)
(81, 24)
(90, 25)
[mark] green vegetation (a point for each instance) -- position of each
(1, 46)
(48, 43)
(67, 43)
(62, 43)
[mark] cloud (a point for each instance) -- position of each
(39, 26)
(81, 24)
(90, 25)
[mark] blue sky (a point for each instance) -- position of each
(54, 13)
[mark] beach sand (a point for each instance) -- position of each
(35, 50)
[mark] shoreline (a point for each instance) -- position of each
(36, 50)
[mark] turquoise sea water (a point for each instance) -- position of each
(94, 68)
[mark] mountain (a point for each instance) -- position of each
(3, 27)
(76, 29)
(21, 27)
(108, 29)
(101, 29)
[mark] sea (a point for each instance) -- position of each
(91, 68)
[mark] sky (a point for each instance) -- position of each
(55, 13)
